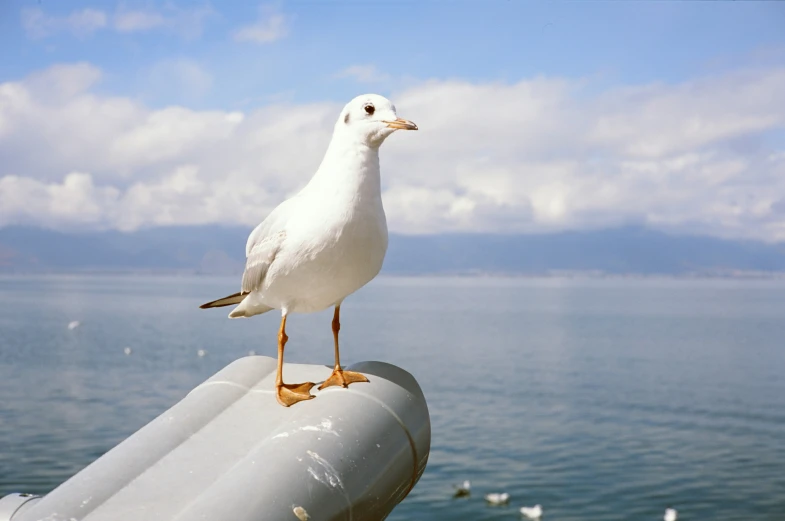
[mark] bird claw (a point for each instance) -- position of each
(343, 378)
(289, 394)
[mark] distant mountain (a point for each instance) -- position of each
(209, 249)
(221, 249)
(628, 250)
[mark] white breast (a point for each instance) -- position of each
(332, 249)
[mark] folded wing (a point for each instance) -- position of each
(263, 244)
(259, 256)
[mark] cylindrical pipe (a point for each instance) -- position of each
(228, 450)
(14, 504)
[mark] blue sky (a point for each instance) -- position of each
(585, 114)
(608, 42)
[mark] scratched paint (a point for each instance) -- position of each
(325, 426)
(329, 473)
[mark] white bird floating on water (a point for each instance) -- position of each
(497, 499)
(671, 514)
(201, 353)
(127, 351)
(534, 512)
(73, 324)
(326, 242)
(464, 489)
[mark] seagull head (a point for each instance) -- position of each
(371, 118)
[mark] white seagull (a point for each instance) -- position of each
(497, 499)
(671, 514)
(534, 512)
(464, 489)
(327, 241)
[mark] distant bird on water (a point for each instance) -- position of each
(534, 512)
(497, 499)
(326, 242)
(671, 514)
(464, 489)
(73, 324)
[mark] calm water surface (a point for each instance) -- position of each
(604, 400)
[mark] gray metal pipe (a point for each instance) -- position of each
(228, 450)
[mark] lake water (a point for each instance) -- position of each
(599, 399)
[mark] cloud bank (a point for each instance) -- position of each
(539, 155)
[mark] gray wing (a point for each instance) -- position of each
(260, 250)
(259, 259)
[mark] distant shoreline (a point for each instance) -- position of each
(552, 275)
(614, 253)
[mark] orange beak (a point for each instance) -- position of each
(401, 124)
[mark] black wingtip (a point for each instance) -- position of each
(226, 301)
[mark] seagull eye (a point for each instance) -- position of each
(369, 109)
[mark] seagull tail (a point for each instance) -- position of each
(226, 301)
(245, 311)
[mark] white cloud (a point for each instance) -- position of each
(671, 119)
(61, 83)
(134, 21)
(84, 22)
(181, 78)
(363, 74)
(186, 22)
(539, 155)
(270, 26)
(74, 201)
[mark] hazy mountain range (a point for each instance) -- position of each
(221, 249)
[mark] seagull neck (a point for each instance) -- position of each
(349, 165)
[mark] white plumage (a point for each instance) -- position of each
(534, 512)
(496, 498)
(328, 240)
(671, 514)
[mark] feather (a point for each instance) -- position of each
(226, 301)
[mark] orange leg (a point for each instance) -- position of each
(339, 376)
(288, 394)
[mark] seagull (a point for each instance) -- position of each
(534, 512)
(671, 514)
(127, 351)
(464, 489)
(497, 499)
(327, 241)
(73, 324)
